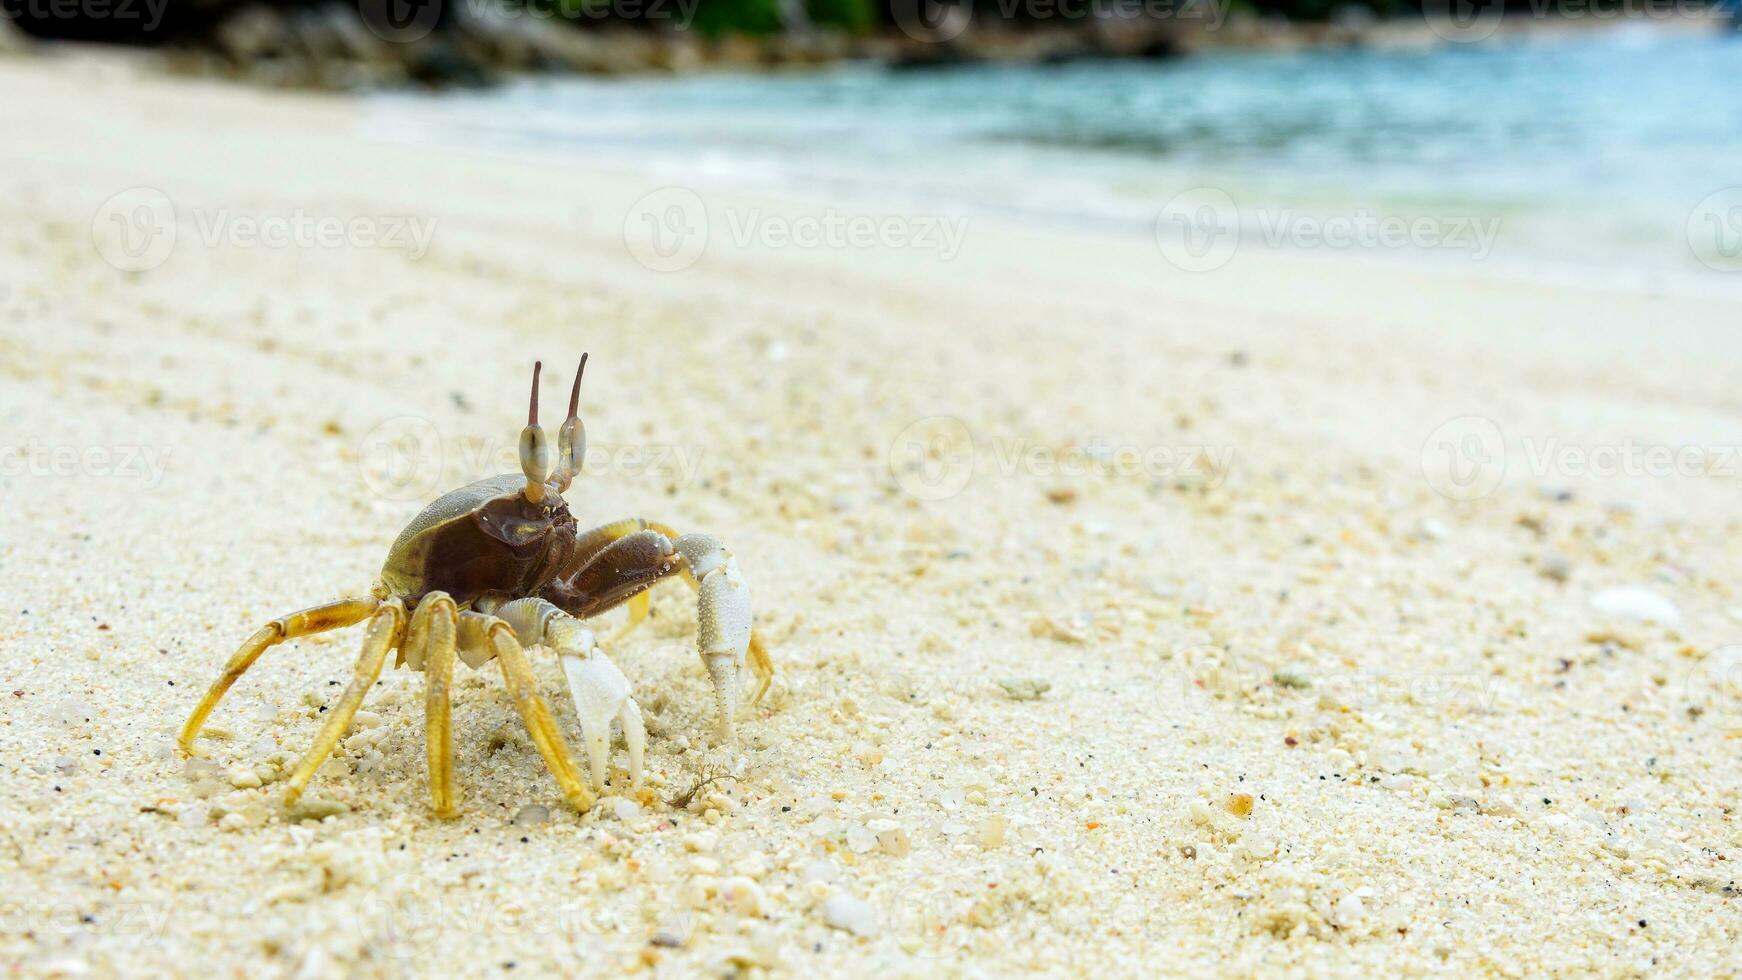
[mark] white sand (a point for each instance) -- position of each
(1454, 762)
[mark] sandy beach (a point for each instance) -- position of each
(1302, 614)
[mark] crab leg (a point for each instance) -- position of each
(316, 619)
(429, 647)
(480, 633)
(621, 571)
(722, 620)
(760, 663)
(600, 691)
(383, 633)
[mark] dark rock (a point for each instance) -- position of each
(252, 33)
(441, 64)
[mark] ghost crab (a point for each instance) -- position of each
(499, 565)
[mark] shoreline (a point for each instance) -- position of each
(1310, 711)
(1634, 240)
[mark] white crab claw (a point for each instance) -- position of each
(723, 671)
(723, 622)
(601, 694)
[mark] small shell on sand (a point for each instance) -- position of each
(530, 815)
(1636, 603)
(847, 913)
(1024, 688)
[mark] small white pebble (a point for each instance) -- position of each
(1636, 603)
(992, 831)
(743, 896)
(243, 777)
(848, 914)
(626, 810)
(891, 838)
(818, 872)
(860, 839)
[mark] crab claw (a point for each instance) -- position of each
(723, 620)
(601, 694)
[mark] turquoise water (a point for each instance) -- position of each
(1593, 148)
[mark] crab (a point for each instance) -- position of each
(500, 565)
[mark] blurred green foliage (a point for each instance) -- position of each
(852, 16)
(716, 17)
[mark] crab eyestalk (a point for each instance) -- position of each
(572, 437)
(534, 446)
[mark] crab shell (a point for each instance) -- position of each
(484, 537)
